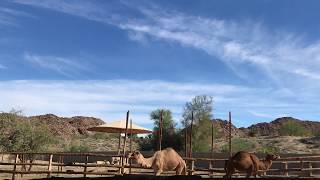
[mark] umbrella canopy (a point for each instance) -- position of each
(120, 127)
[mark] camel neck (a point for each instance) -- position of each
(146, 162)
(267, 164)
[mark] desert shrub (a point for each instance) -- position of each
(269, 149)
(239, 144)
(292, 128)
(253, 133)
(25, 135)
(79, 148)
(100, 135)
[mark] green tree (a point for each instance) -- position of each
(293, 128)
(201, 106)
(170, 136)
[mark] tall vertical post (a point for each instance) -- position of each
(190, 136)
(212, 138)
(230, 135)
(130, 160)
(186, 141)
(160, 129)
(124, 144)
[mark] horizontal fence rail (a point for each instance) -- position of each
(86, 164)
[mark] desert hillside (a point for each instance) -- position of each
(263, 137)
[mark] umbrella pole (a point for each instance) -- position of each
(124, 144)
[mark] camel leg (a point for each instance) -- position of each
(229, 172)
(157, 172)
(179, 170)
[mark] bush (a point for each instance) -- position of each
(79, 148)
(269, 150)
(100, 135)
(20, 134)
(292, 128)
(239, 144)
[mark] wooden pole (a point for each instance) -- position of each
(212, 139)
(230, 136)
(130, 160)
(50, 166)
(85, 167)
(15, 167)
(186, 141)
(124, 144)
(310, 171)
(190, 136)
(160, 130)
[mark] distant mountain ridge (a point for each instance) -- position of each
(264, 128)
(272, 128)
(68, 127)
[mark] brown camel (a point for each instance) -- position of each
(249, 163)
(165, 160)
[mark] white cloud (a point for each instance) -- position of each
(243, 46)
(61, 65)
(8, 16)
(110, 100)
(287, 64)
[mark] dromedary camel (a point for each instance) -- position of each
(249, 163)
(165, 160)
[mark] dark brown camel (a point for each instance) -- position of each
(249, 163)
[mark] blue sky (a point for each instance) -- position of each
(258, 59)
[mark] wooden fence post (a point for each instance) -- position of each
(50, 165)
(15, 166)
(286, 172)
(85, 167)
(310, 171)
(192, 167)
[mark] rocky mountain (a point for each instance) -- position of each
(272, 128)
(66, 128)
(223, 128)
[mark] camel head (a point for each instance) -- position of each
(136, 155)
(272, 157)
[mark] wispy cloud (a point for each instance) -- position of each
(246, 46)
(61, 65)
(286, 63)
(8, 16)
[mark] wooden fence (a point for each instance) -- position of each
(53, 164)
